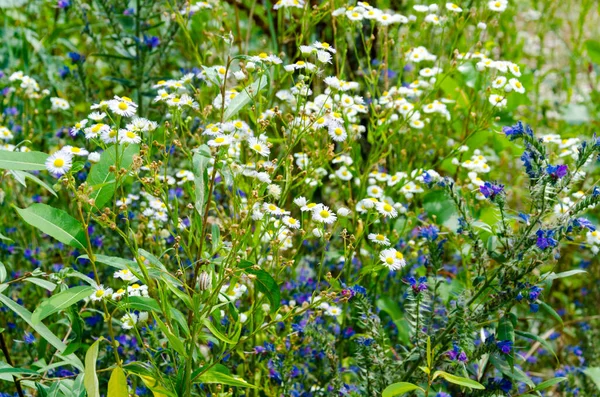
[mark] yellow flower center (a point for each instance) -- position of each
(324, 214)
(123, 106)
(387, 207)
(59, 162)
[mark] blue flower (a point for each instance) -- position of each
(584, 223)
(545, 239)
(505, 346)
(429, 232)
(557, 171)
(489, 190)
(76, 57)
(151, 42)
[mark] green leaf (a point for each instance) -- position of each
(506, 331)
(594, 374)
(244, 97)
(39, 328)
(55, 223)
(399, 388)
(537, 338)
(514, 373)
(3, 237)
(265, 284)
(117, 385)
(459, 380)
(17, 371)
(214, 375)
(548, 383)
(61, 301)
(439, 204)
(550, 311)
(49, 285)
(593, 50)
(23, 161)
(3, 272)
(200, 163)
(174, 341)
(90, 379)
(141, 303)
(26, 175)
(211, 327)
(100, 177)
(554, 276)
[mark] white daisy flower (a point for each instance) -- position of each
(392, 259)
(101, 293)
(59, 163)
(324, 214)
(379, 239)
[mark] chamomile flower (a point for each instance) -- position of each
(137, 290)
(96, 116)
(453, 7)
(77, 127)
(499, 82)
(337, 132)
(123, 106)
(392, 259)
(515, 85)
(6, 134)
(259, 146)
(75, 151)
(274, 210)
(290, 222)
(129, 320)
(126, 275)
(497, 5)
(324, 215)
(220, 140)
(126, 136)
(386, 209)
(59, 104)
(101, 293)
(95, 130)
(59, 163)
(379, 239)
(497, 101)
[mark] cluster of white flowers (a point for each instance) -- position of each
(365, 11)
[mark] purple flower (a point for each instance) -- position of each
(545, 239)
(489, 190)
(505, 346)
(63, 3)
(151, 42)
(429, 232)
(76, 57)
(557, 171)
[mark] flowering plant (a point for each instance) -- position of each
(298, 198)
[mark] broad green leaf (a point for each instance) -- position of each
(3, 272)
(38, 327)
(244, 97)
(514, 373)
(26, 175)
(439, 204)
(61, 301)
(265, 284)
(397, 389)
(506, 331)
(550, 311)
(100, 177)
(55, 223)
(23, 161)
(141, 303)
(49, 285)
(157, 389)
(459, 380)
(537, 338)
(201, 162)
(548, 383)
(90, 379)
(117, 385)
(215, 376)
(593, 50)
(215, 331)
(594, 374)
(174, 341)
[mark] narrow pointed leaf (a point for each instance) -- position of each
(55, 223)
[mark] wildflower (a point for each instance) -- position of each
(392, 259)
(137, 290)
(74, 151)
(129, 321)
(505, 346)
(259, 147)
(545, 239)
(453, 7)
(489, 190)
(419, 285)
(59, 104)
(386, 209)
(515, 85)
(123, 106)
(337, 132)
(557, 171)
(126, 136)
(324, 214)
(94, 157)
(77, 127)
(379, 239)
(59, 163)
(497, 5)
(221, 140)
(497, 101)
(125, 275)
(290, 222)
(101, 293)
(429, 232)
